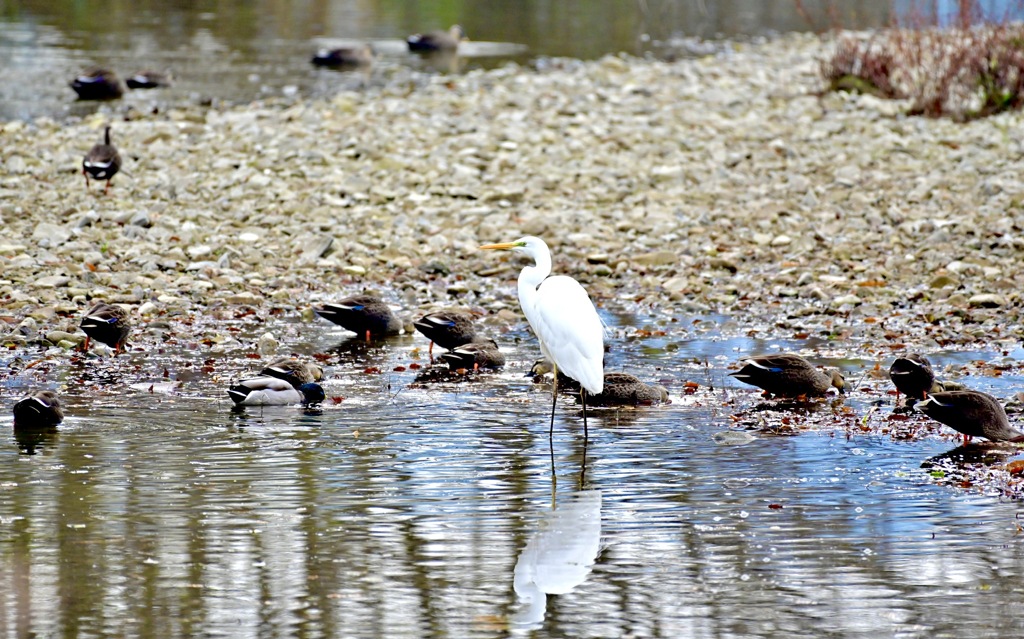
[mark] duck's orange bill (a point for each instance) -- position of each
(504, 245)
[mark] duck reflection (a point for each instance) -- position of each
(31, 439)
(558, 557)
(977, 454)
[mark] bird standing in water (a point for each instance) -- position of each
(362, 314)
(102, 161)
(788, 375)
(973, 413)
(447, 329)
(564, 320)
(106, 323)
(483, 353)
(912, 375)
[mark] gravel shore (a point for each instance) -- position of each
(723, 184)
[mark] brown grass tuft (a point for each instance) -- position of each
(961, 73)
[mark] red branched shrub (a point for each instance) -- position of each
(962, 73)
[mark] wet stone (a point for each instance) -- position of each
(55, 337)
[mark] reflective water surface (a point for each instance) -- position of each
(406, 509)
(239, 51)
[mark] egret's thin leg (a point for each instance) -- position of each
(554, 477)
(551, 436)
(583, 397)
(554, 401)
(583, 467)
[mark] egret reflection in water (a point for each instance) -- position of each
(559, 556)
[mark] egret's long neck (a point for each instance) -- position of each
(531, 276)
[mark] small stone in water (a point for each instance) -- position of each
(732, 438)
(267, 344)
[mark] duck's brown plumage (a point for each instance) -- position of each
(476, 355)
(620, 389)
(294, 371)
(913, 375)
(788, 375)
(40, 409)
(344, 57)
(973, 413)
(106, 323)
(448, 329)
(98, 83)
(149, 79)
(102, 162)
(434, 41)
(365, 315)
(623, 389)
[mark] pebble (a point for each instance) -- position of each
(267, 344)
(50, 235)
(987, 300)
(656, 258)
(56, 337)
(724, 183)
(843, 300)
(732, 438)
(52, 281)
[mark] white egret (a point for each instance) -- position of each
(563, 318)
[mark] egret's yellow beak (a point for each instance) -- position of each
(504, 246)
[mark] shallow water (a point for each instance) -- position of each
(404, 509)
(241, 51)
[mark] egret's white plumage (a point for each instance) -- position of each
(563, 318)
(561, 315)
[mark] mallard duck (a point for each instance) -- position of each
(98, 84)
(912, 375)
(271, 391)
(38, 410)
(433, 41)
(620, 389)
(294, 371)
(474, 356)
(973, 413)
(102, 161)
(106, 323)
(447, 329)
(623, 389)
(362, 314)
(787, 375)
(149, 80)
(345, 57)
